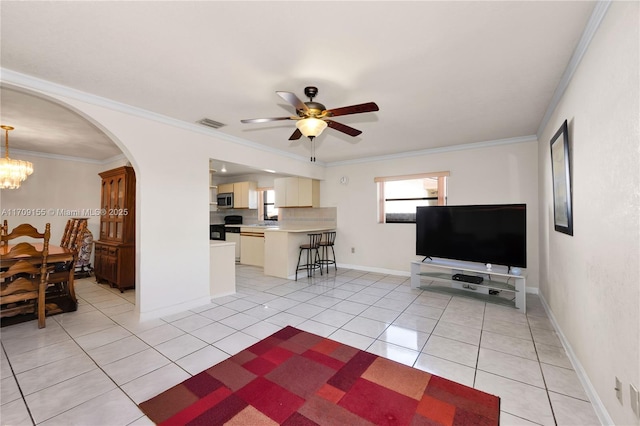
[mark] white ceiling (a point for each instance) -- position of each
(442, 73)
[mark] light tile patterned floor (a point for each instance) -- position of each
(92, 367)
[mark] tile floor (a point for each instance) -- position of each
(92, 367)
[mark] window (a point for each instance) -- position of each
(266, 205)
(398, 196)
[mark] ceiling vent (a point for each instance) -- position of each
(210, 123)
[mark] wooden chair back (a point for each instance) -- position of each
(24, 283)
(22, 230)
(66, 235)
(73, 232)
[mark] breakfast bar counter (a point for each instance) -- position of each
(282, 248)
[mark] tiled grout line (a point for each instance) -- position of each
(96, 364)
(544, 379)
(15, 378)
(245, 284)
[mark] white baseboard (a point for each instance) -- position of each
(597, 404)
(375, 270)
(530, 290)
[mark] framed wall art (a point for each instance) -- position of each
(561, 176)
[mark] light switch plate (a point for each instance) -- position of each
(618, 390)
(635, 399)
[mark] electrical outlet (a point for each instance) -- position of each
(353, 249)
(618, 389)
(635, 399)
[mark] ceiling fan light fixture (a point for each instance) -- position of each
(311, 127)
(12, 172)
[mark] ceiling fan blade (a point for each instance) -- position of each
(293, 100)
(343, 128)
(296, 135)
(264, 120)
(353, 109)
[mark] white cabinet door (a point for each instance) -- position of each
(234, 238)
(280, 189)
(297, 192)
(252, 250)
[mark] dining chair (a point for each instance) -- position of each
(24, 283)
(60, 272)
(23, 230)
(66, 235)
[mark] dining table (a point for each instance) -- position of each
(58, 299)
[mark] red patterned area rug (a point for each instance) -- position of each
(297, 378)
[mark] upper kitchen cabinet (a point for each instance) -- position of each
(245, 195)
(297, 192)
(225, 188)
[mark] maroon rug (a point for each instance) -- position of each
(297, 378)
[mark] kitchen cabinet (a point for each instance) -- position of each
(115, 250)
(252, 246)
(297, 192)
(245, 194)
(224, 188)
(234, 238)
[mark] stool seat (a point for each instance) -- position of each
(328, 240)
(313, 259)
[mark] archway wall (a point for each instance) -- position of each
(172, 200)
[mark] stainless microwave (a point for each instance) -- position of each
(225, 200)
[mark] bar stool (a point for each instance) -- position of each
(313, 261)
(328, 241)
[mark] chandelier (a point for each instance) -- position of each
(12, 172)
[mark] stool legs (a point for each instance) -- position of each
(312, 260)
(328, 241)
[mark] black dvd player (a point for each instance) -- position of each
(472, 279)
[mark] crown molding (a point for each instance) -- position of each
(48, 88)
(430, 151)
(597, 15)
(66, 157)
(33, 83)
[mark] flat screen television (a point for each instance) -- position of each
(495, 234)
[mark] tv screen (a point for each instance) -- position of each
(495, 234)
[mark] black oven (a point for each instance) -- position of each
(217, 232)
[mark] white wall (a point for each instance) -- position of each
(490, 175)
(57, 186)
(171, 161)
(590, 280)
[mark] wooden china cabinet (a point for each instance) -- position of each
(115, 251)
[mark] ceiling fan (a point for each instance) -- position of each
(313, 117)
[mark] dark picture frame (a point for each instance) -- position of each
(561, 177)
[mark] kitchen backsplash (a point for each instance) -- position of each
(249, 216)
(308, 216)
(291, 217)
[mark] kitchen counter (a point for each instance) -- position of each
(216, 243)
(303, 229)
(282, 248)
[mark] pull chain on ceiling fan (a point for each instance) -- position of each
(313, 117)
